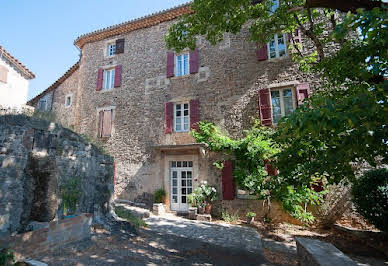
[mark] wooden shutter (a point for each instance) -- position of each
(262, 53)
(100, 78)
(107, 124)
(3, 74)
(170, 64)
(227, 181)
(117, 82)
(302, 92)
(100, 123)
(194, 114)
(265, 107)
(168, 117)
(194, 61)
(120, 46)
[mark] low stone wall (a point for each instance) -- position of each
(57, 234)
(242, 206)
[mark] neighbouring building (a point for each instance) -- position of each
(140, 101)
(14, 81)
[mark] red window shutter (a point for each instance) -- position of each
(227, 181)
(100, 123)
(262, 53)
(168, 117)
(302, 92)
(118, 76)
(114, 173)
(3, 74)
(271, 170)
(107, 124)
(120, 46)
(194, 61)
(194, 114)
(170, 64)
(100, 78)
(265, 107)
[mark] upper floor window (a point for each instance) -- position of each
(68, 101)
(111, 50)
(283, 103)
(109, 79)
(277, 46)
(182, 67)
(181, 117)
(42, 105)
(105, 122)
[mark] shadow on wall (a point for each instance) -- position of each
(36, 159)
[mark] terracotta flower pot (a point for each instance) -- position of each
(208, 208)
(201, 210)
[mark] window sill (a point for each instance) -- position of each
(67, 106)
(179, 132)
(106, 90)
(181, 77)
(278, 58)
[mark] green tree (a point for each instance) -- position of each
(345, 120)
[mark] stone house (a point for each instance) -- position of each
(14, 81)
(140, 101)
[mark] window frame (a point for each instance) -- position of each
(281, 96)
(182, 117)
(176, 57)
(40, 104)
(112, 79)
(68, 96)
(109, 48)
(277, 56)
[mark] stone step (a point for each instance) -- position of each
(138, 212)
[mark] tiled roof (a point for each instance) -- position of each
(16, 63)
(131, 25)
(55, 84)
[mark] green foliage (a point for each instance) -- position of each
(48, 116)
(95, 143)
(202, 194)
(125, 214)
(250, 214)
(71, 194)
(159, 195)
(6, 257)
(370, 193)
(250, 154)
(229, 218)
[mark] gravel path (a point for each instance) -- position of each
(224, 235)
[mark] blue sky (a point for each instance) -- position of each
(40, 33)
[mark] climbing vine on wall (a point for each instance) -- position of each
(252, 154)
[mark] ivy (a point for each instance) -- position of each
(250, 155)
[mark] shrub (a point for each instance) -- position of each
(130, 217)
(6, 257)
(250, 214)
(71, 194)
(159, 195)
(229, 218)
(370, 195)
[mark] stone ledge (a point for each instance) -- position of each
(312, 252)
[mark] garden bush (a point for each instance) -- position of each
(159, 195)
(370, 195)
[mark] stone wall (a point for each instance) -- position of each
(57, 234)
(36, 158)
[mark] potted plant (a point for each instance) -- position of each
(192, 199)
(250, 217)
(196, 199)
(160, 196)
(209, 194)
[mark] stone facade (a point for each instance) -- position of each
(36, 158)
(226, 86)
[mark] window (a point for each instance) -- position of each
(68, 101)
(182, 65)
(42, 105)
(282, 103)
(181, 117)
(109, 78)
(277, 46)
(111, 51)
(105, 120)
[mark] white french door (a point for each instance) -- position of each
(181, 184)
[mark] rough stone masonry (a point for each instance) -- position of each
(36, 159)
